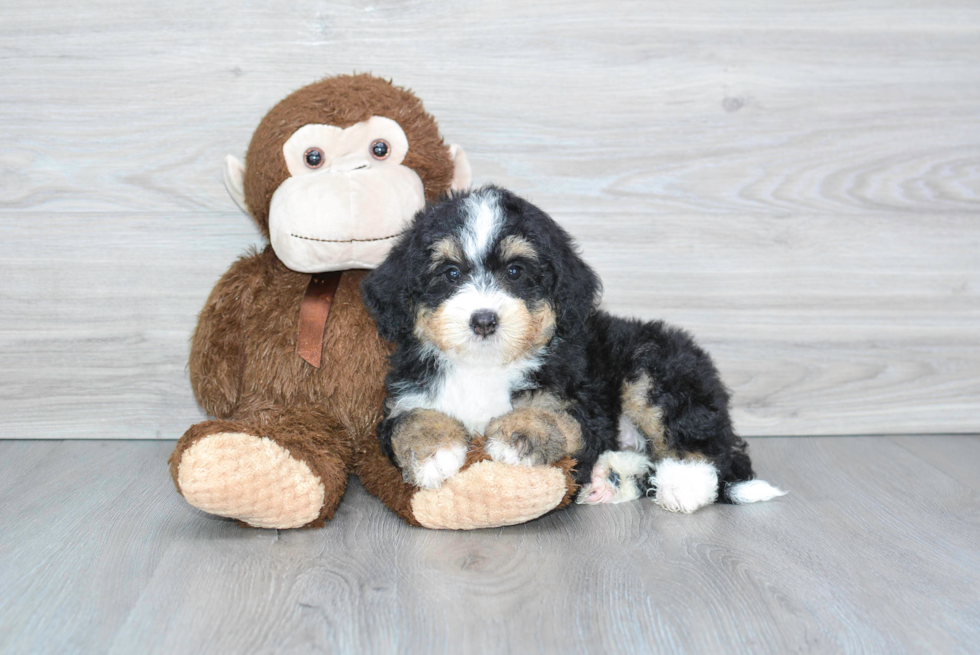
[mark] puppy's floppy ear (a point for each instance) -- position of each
(387, 293)
(577, 288)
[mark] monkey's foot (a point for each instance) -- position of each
(252, 479)
(490, 494)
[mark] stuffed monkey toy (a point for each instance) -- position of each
(285, 356)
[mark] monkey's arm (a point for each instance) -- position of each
(216, 360)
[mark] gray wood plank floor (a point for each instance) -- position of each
(876, 549)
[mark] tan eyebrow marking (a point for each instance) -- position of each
(514, 246)
(447, 250)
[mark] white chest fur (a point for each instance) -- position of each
(475, 394)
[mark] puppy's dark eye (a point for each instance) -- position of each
(313, 158)
(452, 274)
(380, 149)
(514, 272)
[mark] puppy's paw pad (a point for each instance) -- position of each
(684, 486)
(597, 492)
(439, 467)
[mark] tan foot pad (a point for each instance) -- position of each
(252, 479)
(518, 494)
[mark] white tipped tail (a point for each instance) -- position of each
(753, 491)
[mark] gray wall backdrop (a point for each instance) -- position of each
(797, 183)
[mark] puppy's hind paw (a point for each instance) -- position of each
(684, 486)
(615, 478)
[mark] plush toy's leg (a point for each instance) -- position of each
(383, 479)
(484, 494)
(284, 470)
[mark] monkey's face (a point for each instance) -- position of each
(337, 169)
(347, 198)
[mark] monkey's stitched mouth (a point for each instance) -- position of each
(298, 236)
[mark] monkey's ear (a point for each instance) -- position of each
(462, 173)
(235, 182)
(386, 292)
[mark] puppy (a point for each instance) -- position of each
(497, 332)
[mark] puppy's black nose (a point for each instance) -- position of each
(484, 322)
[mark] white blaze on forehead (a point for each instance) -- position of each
(483, 222)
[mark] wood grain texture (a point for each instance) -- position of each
(797, 184)
(696, 107)
(819, 325)
(873, 550)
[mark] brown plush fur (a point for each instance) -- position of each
(343, 101)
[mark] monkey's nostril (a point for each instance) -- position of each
(484, 322)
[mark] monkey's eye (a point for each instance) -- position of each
(452, 274)
(313, 158)
(380, 149)
(514, 272)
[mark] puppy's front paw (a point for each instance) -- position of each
(432, 471)
(530, 437)
(430, 447)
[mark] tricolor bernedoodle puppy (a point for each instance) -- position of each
(495, 319)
